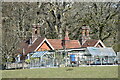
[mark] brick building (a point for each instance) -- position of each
(38, 43)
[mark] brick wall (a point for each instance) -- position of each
(44, 47)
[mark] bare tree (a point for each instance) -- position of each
(54, 17)
(101, 17)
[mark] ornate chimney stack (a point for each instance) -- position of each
(66, 35)
(85, 33)
(65, 39)
(35, 32)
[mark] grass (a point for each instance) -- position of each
(67, 72)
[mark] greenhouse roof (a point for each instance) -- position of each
(39, 53)
(101, 51)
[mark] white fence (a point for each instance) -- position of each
(16, 65)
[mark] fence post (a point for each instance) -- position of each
(101, 60)
(22, 64)
(6, 66)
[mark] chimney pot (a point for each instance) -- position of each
(35, 32)
(85, 33)
(66, 35)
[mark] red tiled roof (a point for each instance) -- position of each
(22, 45)
(57, 43)
(90, 43)
(29, 48)
(34, 45)
(73, 44)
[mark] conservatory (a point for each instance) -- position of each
(42, 59)
(99, 56)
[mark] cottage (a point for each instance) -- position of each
(76, 50)
(37, 43)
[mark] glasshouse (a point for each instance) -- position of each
(50, 59)
(88, 56)
(42, 59)
(101, 56)
(117, 58)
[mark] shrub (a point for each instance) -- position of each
(27, 61)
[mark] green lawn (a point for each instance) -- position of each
(67, 72)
